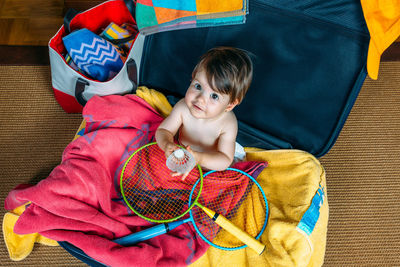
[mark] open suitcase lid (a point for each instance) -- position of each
(309, 66)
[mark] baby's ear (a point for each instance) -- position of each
(232, 105)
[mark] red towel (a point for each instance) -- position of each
(80, 201)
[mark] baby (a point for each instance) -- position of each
(203, 121)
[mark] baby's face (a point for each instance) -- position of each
(203, 102)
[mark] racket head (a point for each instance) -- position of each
(208, 230)
(151, 192)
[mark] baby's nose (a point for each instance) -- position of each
(202, 97)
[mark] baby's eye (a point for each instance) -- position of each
(197, 86)
(214, 96)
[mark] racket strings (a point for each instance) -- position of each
(236, 197)
(149, 188)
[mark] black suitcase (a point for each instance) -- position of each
(309, 66)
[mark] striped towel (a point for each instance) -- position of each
(164, 15)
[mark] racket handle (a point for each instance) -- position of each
(149, 233)
(247, 239)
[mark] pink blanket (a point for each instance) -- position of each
(80, 201)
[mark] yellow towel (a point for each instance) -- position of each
(290, 181)
(156, 99)
(20, 246)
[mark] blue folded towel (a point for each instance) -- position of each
(93, 54)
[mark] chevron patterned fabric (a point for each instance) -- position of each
(164, 15)
(92, 54)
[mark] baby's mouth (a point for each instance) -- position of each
(197, 107)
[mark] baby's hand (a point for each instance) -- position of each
(184, 175)
(189, 149)
(170, 148)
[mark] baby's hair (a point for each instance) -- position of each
(228, 70)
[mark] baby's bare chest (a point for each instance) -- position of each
(200, 134)
(203, 130)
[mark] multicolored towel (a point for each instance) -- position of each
(93, 54)
(120, 36)
(164, 15)
(80, 201)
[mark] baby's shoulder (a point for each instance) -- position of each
(230, 116)
(229, 122)
(180, 105)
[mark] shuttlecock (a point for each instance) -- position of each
(181, 161)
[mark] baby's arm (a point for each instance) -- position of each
(168, 128)
(223, 157)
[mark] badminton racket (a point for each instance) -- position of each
(153, 194)
(240, 201)
(250, 212)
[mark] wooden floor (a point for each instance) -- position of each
(34, 22)
(26, 27)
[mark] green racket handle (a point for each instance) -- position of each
(247, 239)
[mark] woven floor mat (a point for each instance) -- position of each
(34, 131)
(362, 168)
(363, 178)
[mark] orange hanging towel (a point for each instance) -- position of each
(383, 21)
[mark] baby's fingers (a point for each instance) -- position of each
(179, 174)
(184, 176)
(170, 149)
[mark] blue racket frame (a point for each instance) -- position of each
(266, 211)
